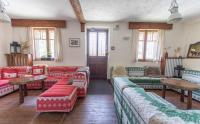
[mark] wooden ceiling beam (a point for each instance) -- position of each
(79, 13)
(150, 25)
(38, 23)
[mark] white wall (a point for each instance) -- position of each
(191, 35)
(182, 35)
(5, 38)
(174, 38)
(71, 56)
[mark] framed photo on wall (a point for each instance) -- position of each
(194, 50)
(74, 42)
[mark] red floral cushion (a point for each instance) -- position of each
(9, 73)
(38, 70)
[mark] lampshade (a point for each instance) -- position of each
(175, 17)
(4, 18)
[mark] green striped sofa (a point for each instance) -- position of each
(137, 76)
(135, 106)
(193, 76)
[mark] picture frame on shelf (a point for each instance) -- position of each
(74, 42)
(194, 50)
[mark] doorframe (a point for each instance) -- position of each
(107, 29)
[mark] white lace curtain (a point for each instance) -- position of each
(158, 49)
(58, 46)
(135, 44)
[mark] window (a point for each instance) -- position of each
(97, 42)
(148, 45)
(44, 39)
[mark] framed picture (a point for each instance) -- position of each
(194, 50)
(74, 42)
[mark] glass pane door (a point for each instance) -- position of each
(97, 42)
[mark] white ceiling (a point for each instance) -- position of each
(102, 10)
(136, 10)
(40, 9)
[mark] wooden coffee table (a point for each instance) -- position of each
(183, 85)
(22, 84)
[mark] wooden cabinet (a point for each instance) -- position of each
(19, 59)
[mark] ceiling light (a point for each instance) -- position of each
(175, 15)
(3, 15)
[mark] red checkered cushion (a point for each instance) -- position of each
(9, 73)
(4, 82)
(38, 70)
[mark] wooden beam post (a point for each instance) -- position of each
(38, 23)
(150, 25)
(82, 27)
(79, 13)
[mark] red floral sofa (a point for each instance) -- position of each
(56, 75)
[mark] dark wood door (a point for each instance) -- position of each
(97, 55)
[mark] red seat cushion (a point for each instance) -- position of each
(71, 69)
(63, 82)
(4, 82)
(67, 91)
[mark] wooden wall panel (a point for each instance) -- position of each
(38, 23)
(149, 25)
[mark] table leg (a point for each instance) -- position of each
(182, 95)
(25, 90)
(21, 94)
(164, 91)
(43, 85)
(189, 100)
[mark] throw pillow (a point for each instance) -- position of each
(9, 73)
(38, 70)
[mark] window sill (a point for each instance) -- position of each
(148, 61)
(44, 59)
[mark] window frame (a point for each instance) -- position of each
(145, 44)
(47, 29)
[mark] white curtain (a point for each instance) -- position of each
(58, 46)
(135, 44)
(159, 46)
(30, 38)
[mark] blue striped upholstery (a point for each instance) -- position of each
(135, 71)
(191, 75)
(170, 64)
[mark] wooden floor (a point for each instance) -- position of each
(96, 108)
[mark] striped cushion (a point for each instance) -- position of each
(135, 71)
(191, 75)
